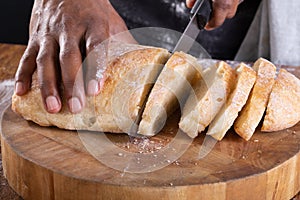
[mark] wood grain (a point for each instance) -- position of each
(42, 163)
(9, 60)
(49, 163)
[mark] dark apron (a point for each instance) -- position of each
(221, 43)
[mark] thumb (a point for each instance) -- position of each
(190, 3)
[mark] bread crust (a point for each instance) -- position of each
(207, 98)
(214, 96)
(125, 84)
(169, 92)
(283, 110)
(246, 77)
(253, 111)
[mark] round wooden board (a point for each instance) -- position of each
(49, 163)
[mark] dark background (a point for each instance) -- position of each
(221, 43)
(14, 20)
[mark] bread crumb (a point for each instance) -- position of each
(120, 154)
(259, 151)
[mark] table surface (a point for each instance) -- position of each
(9, 57)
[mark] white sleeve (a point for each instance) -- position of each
(274, 34)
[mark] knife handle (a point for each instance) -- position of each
(204, 12)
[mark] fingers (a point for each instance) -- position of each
(190, 3)
(96, 51)
(222, 9)
(45, 59)
(91, 63)
(25, 70)
(71, 72)
(48, 75)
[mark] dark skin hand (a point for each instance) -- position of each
(222, 9)
(61, 33)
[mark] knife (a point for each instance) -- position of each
(200, 14)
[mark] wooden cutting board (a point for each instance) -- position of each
(49, 163)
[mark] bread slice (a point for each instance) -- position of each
(127, 80)
(170, 90)
(246, 77)
(283, 110)
(207, 98)
(255, 107)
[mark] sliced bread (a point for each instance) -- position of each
(246, 77)
(283, 110)
(255, 107)
(169, 92)
(207, 98)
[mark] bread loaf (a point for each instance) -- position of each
(127, 80)
(136, 75)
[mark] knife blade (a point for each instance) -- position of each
(200, 15)
(206, 146)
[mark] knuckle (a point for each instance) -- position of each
(45, 84)
(93, 43)
(21, 75)
(68, 53)
(25, 58)
(46, 80)
(47, 88)
(69, 85)
(68, 50)
(28, 55)
(47, 51)
(67, 25)
(25, 68)
(33, 37)
(42, 57)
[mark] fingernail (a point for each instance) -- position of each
(19, 88)
(74, 105)
(52, 104)
(93, 87)
(207, 27)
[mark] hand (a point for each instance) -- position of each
(222, 9)
(62, 32)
